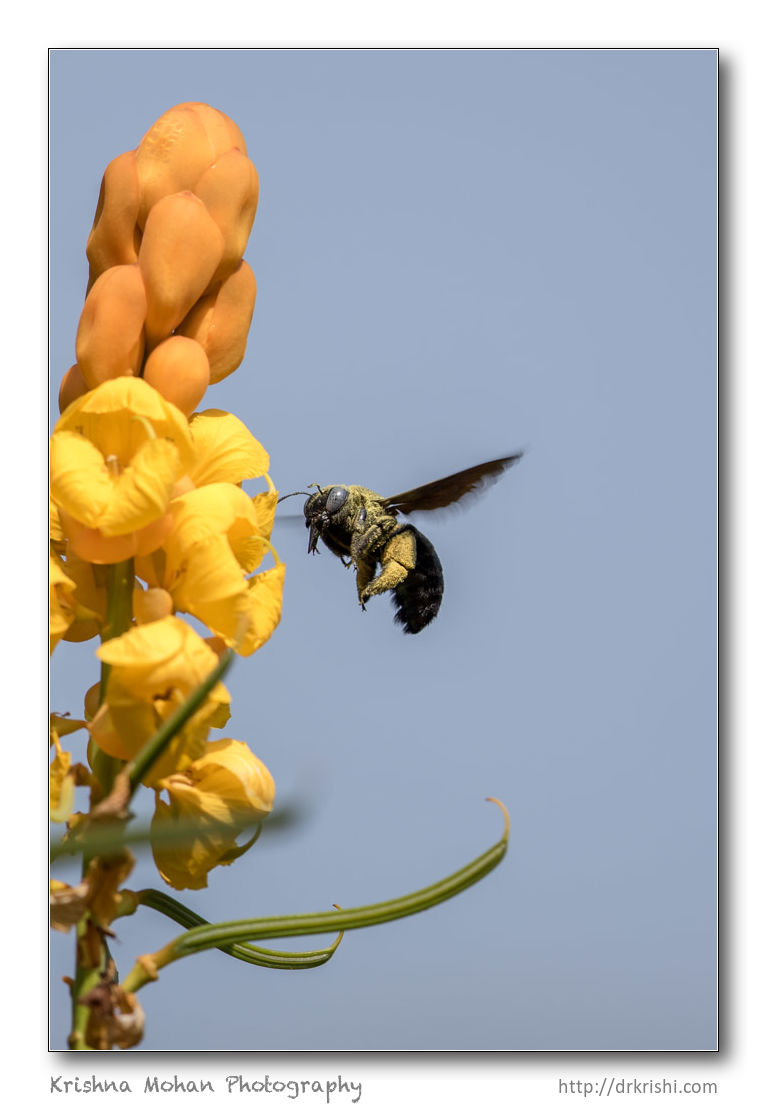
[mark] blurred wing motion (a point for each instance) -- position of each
(447, 491)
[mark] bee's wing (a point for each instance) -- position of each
(446, 491)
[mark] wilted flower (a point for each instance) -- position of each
(116, 1019)
(68, 903)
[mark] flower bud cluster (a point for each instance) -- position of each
(137, 474)
(170, 298)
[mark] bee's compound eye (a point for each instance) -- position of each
(336, 498)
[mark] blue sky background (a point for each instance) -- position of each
(459, 254)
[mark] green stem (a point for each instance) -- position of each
(120, 581)
(236, 932)
(86, 978)
(249, 953)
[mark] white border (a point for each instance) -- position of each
(490, 1081)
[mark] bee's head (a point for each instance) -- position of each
(330, 505)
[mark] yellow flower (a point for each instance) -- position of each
(116, 455)
(153, 669)
(217, 796)
(219, 536)
(112, 417)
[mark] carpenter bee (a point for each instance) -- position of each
(362, 529)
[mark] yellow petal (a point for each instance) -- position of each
(264, 507)
(249, 539)
(81, 484)
(213, 510)
(212, 574)
(224, 449)
(247, 619)
(186, 866)
(142, 492)
(149, 647)
(158, 662)
(264, 608)
(219, 522)
(229, 770)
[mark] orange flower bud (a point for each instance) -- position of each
(114, 237)
(229, 190)
(178, 256)
(177, 150)
(110, 335)
(152, 604)
(178, 369)
(91, 701)
(220, 322)
(72, 386)
(223, 133)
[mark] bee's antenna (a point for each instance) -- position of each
(297, 493)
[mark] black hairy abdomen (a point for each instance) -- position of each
(418, 598)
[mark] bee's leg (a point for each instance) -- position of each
(365, 573)
(364, 544)
(397, 561)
